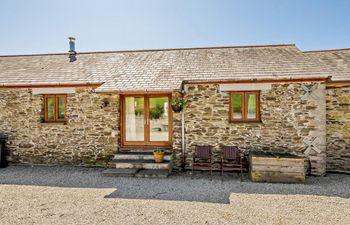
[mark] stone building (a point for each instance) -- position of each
(82, 108)
(338, 107)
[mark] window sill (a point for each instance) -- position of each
(53, 123)
(237, 121)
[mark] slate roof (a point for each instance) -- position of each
(53, 69)
(337, 60)
(163, 69)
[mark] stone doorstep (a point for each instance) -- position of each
(120, 172)
(124, 152)
(139, 164)
(153, 173)
(159, 173)
(138, 156)
(166, 166)
(137, 161)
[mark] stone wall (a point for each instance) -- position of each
(91, 133)
(177, 136)
(338, 129)
(286, 121)
(89, 136)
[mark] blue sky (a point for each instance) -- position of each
(30, 26)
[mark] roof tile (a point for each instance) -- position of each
(161, 69)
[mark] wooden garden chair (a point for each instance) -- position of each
(231, 160)
(202, 159)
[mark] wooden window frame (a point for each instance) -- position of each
(244, 95)
(56, 119)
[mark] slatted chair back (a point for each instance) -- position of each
(203, 152)
(231, 153)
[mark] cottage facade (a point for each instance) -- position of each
(79, 109)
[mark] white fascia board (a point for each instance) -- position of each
(245, 87)
(38, 91)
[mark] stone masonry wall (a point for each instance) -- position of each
(286, 121)
(88, 138)
(91, 133)
(177, 136)
(338, 129)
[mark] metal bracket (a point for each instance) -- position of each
(309, 91)
(311, 145)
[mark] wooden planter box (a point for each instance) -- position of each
(276, 169)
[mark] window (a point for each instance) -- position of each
(55, 108)
(245, 106)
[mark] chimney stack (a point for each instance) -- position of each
(72, 46)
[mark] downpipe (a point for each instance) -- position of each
(183, 165)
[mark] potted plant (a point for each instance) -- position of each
(178, 104)
(158, 155)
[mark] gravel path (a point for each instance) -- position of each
(67, 195)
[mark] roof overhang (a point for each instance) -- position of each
(151, 91)
(49, 85)
(263, 80)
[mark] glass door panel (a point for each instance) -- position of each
(134, 118)
(146, 120)
(159, 118)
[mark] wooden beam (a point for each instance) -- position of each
(338, 84)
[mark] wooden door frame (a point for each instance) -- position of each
(146, 143)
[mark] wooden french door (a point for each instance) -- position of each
(146, 120)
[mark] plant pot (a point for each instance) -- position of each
(158, 157)
(176, 108)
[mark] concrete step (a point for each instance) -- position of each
(139, 155)
(139, 164)
(120, 172)
(153, 173)
(159, 173)
(149, 149)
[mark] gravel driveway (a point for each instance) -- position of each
(72, 195)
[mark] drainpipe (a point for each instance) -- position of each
(183, 138)
(183, 146)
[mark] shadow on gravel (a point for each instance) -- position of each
(178, 187)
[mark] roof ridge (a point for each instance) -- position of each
(153, 50)
(327, 50)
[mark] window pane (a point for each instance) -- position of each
(237, 106)
(251, 106)
(61, 107)
(159, 118)
(134, 116)
(50, 107)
